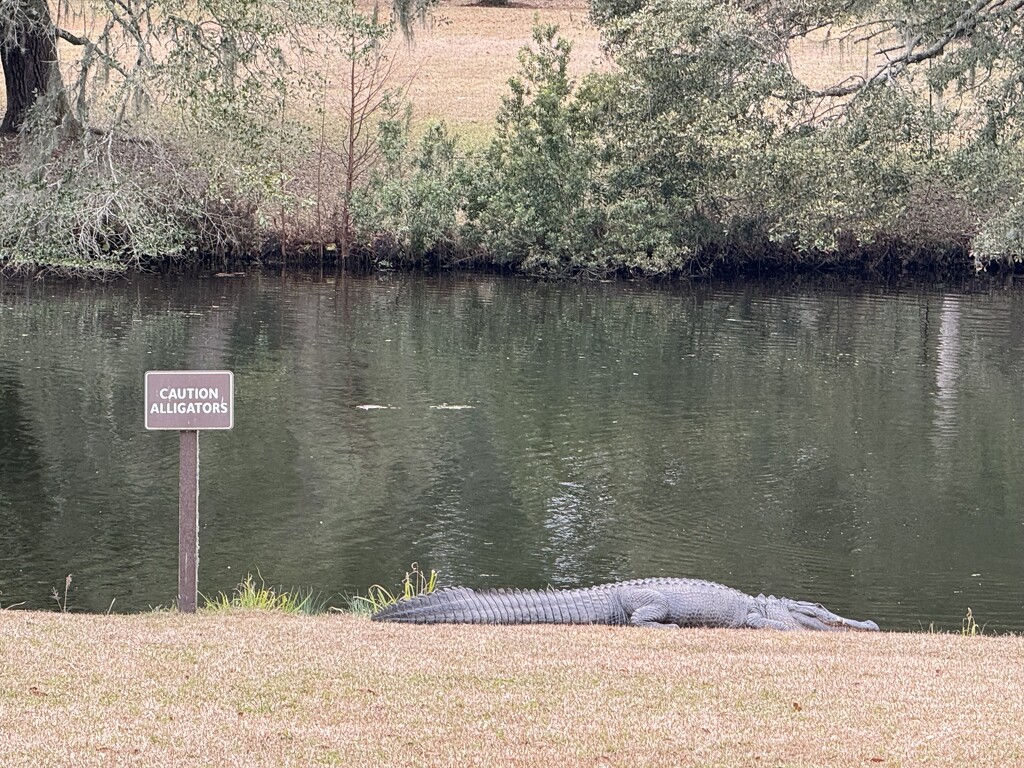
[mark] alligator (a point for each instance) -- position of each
(660, 602)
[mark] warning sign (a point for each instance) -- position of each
(187, 400)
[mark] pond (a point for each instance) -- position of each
(857, 446)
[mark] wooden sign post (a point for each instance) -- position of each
(189, 401)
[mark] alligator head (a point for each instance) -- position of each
(782, 613)
(816, 616)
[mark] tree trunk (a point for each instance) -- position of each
(28, 55)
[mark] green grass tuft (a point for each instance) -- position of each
(250, 596)
(415, 583)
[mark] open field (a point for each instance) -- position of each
(460, 64)
(264, 689)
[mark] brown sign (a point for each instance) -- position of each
(187, 400)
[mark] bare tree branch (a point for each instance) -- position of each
(979, 13)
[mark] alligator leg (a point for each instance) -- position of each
(646, 608)
(756, 621)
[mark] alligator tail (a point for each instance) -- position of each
(461, 605)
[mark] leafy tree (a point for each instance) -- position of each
(719, 128)
(527, 196)
(159, 144)
(682, 120)
(230, 39)
(407, 213)
(195, 106)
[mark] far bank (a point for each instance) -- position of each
(560, 139)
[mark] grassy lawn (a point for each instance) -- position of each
(460, 64)
(263, 689)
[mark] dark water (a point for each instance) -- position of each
(859, 447)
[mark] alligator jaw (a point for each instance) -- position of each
(859, 626)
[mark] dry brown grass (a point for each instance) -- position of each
(249, 689)
(462, 62)
(823, 58)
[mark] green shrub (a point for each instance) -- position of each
(407, 213)
(528, 200)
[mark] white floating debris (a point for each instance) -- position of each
(376, 407)
(447, 407)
